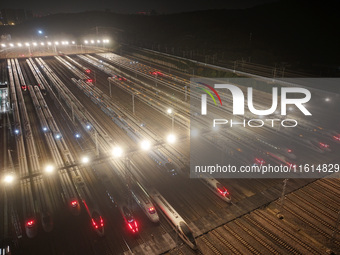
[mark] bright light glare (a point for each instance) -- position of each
(171, 138)
(11, 44)
(86, 41)
(169, 111)
(73, 42)
(40, 32)
(16, 131)
(77, 135)
(98, 41)
(27, 44)
(35, 44)
(56, 43)
(92, 41)
(42, 44)
(44, 128)
(3, 45)
(117, 152)
(327, 99)
(57, 136)
(85, 160)
(49, 169)
(145, 145)
(49, 43)
(9, 178)
(19, 44)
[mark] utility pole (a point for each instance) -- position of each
(282, 199)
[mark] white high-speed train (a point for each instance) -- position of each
(216, 187)
(129, 219)
(142, 198)
(175, 219)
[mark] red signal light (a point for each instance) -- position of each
(74, 203)
(259, 161)
(89, 80)
(324, 145)
(289, 150)
(30, 223)
(223, 193)
(95, 225)
(133, 226)
(87, 71)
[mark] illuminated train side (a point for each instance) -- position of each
(129, 219)
(94, 214)
(175, 219)
(144, 201)
(216, 187)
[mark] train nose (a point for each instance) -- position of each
(31, 228)
(75, 207)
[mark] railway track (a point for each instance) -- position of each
(261, 232)
(264, 232)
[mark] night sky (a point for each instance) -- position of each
(127, 6)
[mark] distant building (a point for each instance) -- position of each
(14, 16)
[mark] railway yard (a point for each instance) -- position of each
(99, 144)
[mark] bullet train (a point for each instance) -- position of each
(90, 206)
(323, 146)
(281, 160)
(130, 221)
(74, 207)
(31, 227)
(216, 187)
(174, 219)
(96, 219)
(142, 198)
